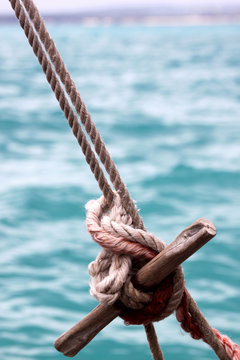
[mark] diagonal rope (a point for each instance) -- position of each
(63, 102)
(81, 110)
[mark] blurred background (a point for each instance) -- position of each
(162, 83)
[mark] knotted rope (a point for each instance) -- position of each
(64, 88)
(125, 249)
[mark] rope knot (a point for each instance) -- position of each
(125, 250)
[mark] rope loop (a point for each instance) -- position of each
(125, 250)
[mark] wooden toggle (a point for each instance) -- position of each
(186, 244)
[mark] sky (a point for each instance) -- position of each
(58, 6)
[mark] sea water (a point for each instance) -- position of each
(167, 103)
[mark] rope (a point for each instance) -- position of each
(63, 102)
(81, 110)
(124, 247)
(193, 321)
(59, 78)
(153, 342)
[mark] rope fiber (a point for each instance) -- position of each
(122, 232)
(84, 115)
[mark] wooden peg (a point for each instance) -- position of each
(186, 244)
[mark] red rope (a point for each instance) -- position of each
(232, 349)
(152, 310)
(189, 325)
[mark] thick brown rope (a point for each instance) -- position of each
(127, 202)
(153, 342)
(63, 102)
(81, 110)
(193, 321)
(209, 335)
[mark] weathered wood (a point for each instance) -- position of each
(72, 341)
(186, 244)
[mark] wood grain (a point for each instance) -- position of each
(72, 341)
(186, 244)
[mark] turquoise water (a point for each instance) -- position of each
(166, 101)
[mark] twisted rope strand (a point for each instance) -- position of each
(193, 321)
(82, 111)
(63, 102)
(216, 340)
(232, 349)
(152, 339)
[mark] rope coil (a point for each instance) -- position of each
(111, 272)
